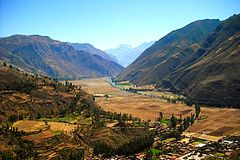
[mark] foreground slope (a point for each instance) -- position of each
(41, 118)
(41, 54)
(166, 53)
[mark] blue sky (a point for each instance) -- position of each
(107, 23)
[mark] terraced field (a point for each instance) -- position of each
(37, 126)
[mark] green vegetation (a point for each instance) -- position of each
(58, 132)
(165, 121)
(67, 118)
(200, 140)
(218, 154)
(173, 121)
(155, 152)
(169, 140)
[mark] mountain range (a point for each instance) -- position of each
(41, 54)
(126, 54)
(200, 61)
(91, 49)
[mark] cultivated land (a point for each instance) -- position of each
(212, 121)
(35, 126)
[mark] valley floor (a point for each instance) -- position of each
(212, 121)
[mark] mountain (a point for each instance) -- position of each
(213, 78)
(91, 49)
(200, 61)
(41, 54)
(169, 49)
(126, 54)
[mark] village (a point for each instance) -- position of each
(187, 146)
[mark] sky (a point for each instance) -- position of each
(107, 23)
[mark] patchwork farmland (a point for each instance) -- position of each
(212, 121)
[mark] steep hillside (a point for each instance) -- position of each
(41, 54)
(127, 54)
(41, 118)
(92, 50)
(214, 78)
(165, 54)
(194, 61)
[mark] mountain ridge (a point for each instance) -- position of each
(174, 42)
(41, 54)
(87, 47)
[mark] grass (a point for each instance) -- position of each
(68, 118)
(218, 154)
(137, 124)
(125, 84)
(200, 140)
(58, 132)
(165, 121)
(86, 121)
(169, 140)
(155, 151)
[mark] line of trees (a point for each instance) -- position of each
(185, 122)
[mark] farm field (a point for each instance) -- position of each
(35, 126)
(212, 121)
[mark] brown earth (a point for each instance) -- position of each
(212, 121)
(34, 126)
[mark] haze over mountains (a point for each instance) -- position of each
(200, 60)
(126, 54)
(41, 54)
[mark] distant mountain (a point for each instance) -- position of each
(41, 54)
(200, 61)
(91, 49)
(126, 54)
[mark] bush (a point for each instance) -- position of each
(13, 118)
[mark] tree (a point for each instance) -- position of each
(160, 116)
(13, 118)
(173, 121)
(197, 109)
(180, 119)
(185, 123)
(66, 83)
(188, 102)
(192, 118)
